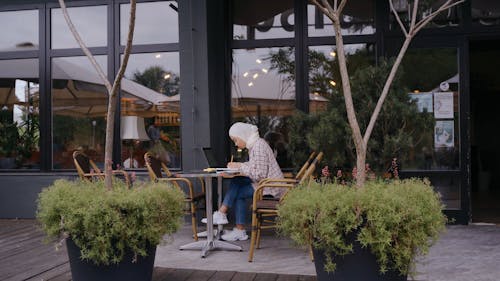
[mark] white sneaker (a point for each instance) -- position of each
(236, 234)
(218, 218)
(204, 233)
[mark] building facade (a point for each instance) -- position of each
(198, 66)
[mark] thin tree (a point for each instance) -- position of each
(334, 12)
(111, 88)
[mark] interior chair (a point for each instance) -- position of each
(88, 170)
(158, 171)
(265, 210)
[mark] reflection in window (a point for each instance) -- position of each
(91, 23)
(263, 93)
(253, 20)
(156, 22)
(433, 83)
(358, 18)
(485, 13)
(19, 114)
(326, 128)
(79, 107)
(22, 31)
(150, 94)
(449, 17)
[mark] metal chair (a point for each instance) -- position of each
(157, 169)
(88, 170)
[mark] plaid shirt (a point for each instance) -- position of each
(262, 164)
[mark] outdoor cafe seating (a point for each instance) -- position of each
(158, 171)
(88, 170)
(265, 210)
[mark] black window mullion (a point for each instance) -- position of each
(45, 106)
(114, 60)
(301, 57)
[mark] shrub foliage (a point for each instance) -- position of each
(396, 220)
(105, 224)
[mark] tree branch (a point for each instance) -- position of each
(398, 19)
(427, 19)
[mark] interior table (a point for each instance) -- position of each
(212, 242)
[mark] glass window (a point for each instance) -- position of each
(449, 17)
(263, 93)
(358, 18)
(431, 76)
(22, 31)
(150, 95)
(485, 13)
(19, 114)
(156, 22)
(255, 21)
(90, 22)
(79, 107)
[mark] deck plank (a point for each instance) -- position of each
(160, 273)
(266, 277)
(201, 275)
(222, 276)
(61, 269)
(179, 274)
(24, 257)
(244, 276)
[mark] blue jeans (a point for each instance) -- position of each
(239, 190)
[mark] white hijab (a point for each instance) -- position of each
(247, 132)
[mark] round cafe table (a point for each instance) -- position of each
(212, 242)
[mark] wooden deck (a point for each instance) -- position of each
(24, 256)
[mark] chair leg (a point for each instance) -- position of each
(193, 221)
(259, 230)
(254, 234)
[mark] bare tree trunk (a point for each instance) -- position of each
(112, 89)
(335, 14)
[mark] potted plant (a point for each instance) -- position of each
(110, 234)
(369, 233)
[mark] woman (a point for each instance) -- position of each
(261, 164)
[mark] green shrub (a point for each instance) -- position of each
(396, 220)
(105, 224)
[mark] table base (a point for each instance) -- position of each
(206, 246)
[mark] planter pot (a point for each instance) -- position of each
(359, 265)
(82, 270)
(7, 163)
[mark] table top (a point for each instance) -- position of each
(197, 173)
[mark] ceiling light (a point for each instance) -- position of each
(255, 75)
(245, 74)
(258, 61)
(166, 76)
(250, 84)
(333, 54)
(158, 56)
(264, 70)
(333, 83)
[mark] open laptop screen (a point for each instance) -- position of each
(209, 155)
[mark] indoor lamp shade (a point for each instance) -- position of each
(132, 128)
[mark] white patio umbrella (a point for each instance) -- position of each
(78, 91)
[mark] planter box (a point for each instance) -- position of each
(82, 270)
(357, 266)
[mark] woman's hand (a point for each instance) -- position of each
(234, 165)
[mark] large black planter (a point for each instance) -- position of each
(361, 265)
(81, 270)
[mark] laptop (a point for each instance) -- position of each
(214, 165)
(209, 155)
